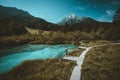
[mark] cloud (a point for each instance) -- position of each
(100, 2)
(116, 2)
(8, 1)
(79, 8)
(108, 16)
(105, 18)
(110, 12)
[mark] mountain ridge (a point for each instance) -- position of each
(13, 21)
(73, 19)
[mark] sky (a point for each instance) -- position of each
(55, 10)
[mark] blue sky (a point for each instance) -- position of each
(55, 10)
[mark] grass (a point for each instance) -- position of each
(50, 37)
(102, 63)
(16, 40)
(76, 52)
(41, 70)
(32, 31)
(94, 42)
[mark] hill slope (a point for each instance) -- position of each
(13, 21)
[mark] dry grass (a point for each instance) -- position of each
(41, 70)
(32, 31)
(76, 52)
(49, 37)
(102, 63)
(94, 42)
(99, 42)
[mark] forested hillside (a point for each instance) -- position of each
(13, 22)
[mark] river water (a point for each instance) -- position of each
(12, 57)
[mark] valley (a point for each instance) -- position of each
(75, 48)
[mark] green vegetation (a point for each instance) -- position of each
(76, 52)
(102, 63)
(41, 70)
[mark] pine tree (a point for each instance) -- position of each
(116, 17)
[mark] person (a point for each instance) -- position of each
(66, 51)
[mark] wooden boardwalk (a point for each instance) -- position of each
(76, 73)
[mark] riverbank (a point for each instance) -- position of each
(14, 56)
(17, 40)
(102, 60)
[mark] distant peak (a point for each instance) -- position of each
(73, 19)
(71, 16)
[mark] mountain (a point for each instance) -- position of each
(73, 19)
(9, 12)
(13, 21)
